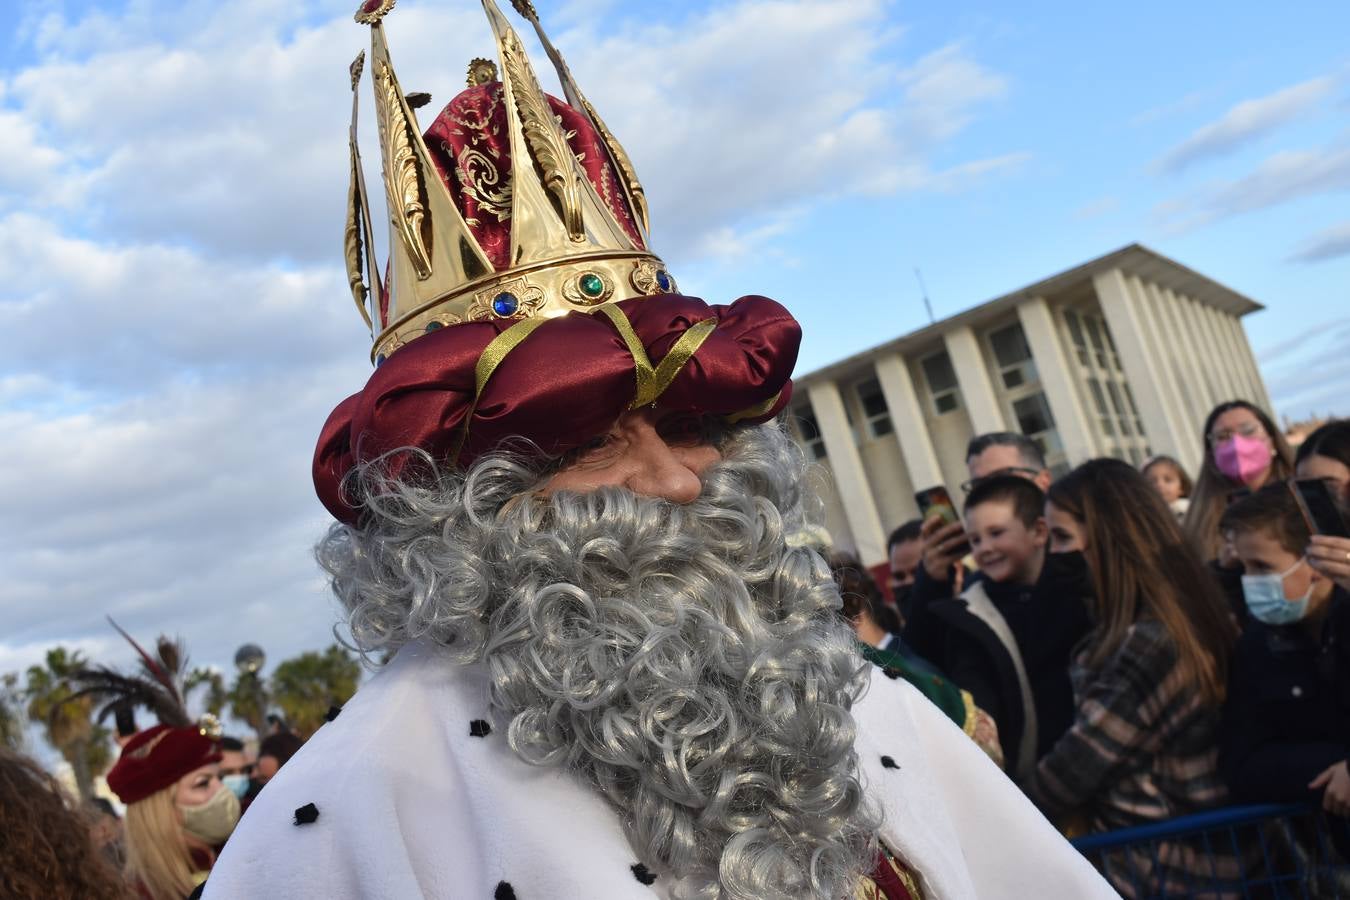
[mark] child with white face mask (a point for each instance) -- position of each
(1287, 721)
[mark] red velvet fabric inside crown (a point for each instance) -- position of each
(157, 757)
(470, 145)
(568, 382)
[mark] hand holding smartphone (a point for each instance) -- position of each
(1319, 508)
(935, 501)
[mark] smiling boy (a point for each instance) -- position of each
(1012, 629)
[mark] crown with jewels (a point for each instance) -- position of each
(513, 205)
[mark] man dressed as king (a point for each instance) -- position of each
(564, 503)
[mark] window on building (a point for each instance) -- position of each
(1013, 354)
(1104, 418)
(943, 389)
(875, 411)
(1076, 336)
(1094, 332)
(809, 429)
(1118, 404)
(1035, 421)
(1120, 428)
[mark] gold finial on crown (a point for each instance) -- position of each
(481, 71)
(569, 249)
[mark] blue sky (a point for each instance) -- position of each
(176, 322)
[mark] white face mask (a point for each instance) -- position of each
(1266, 600)
(213, 821)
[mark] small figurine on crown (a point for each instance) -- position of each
(563, 511)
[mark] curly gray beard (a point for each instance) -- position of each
(682, 660)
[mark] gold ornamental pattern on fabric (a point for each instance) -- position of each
(568, 249)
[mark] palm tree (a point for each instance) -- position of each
(307, 685)
(211, 679)
(248, 700)
(67, 719)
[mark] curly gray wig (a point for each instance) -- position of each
(683, 660)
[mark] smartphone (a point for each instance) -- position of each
(936, 501)
(1319, 508)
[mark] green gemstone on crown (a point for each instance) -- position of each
(591, 285)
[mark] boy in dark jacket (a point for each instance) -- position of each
(1286, 731)
(1011, 631)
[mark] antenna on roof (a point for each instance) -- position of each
(923, 288)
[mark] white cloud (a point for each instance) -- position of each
(1097, 208)
(118, 318)
(189, 510)
(1307, 374)
(233, 139)
(27, 166)
(1245, 122)
(1330, 243)
(1283, 177)
(179, 322)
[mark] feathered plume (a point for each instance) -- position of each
(158, 686)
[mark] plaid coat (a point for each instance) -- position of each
(1142, 748)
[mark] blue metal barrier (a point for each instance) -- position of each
(1266, 852)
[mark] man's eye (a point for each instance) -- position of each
(682, 429)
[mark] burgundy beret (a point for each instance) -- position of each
(157, 757)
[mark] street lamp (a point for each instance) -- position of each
(249, 660)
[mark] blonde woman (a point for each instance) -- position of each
(178, 811)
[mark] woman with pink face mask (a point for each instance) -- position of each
(1244, 451)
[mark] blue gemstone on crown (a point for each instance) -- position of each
(379, 360)
(505, 304)
(433, 325)
(663, 281)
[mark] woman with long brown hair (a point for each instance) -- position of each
(1243, 451)
(1148, 680)
(47, 849)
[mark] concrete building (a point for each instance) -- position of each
(1122, 356)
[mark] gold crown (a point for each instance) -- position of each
(568, 250)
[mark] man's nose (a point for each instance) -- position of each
(660, 470)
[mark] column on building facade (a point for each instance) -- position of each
(1201, 392)
(977, 390)
(850, 478)
(1132, 330)
(1228, 389)
(1159, 350)
(1204, 346)
(1262, 396)
(1240, 360)
(1165, 320)
(911, 429)
(1059, 379)
(1218, 323)
(1251, 384)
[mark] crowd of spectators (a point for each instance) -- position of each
(181, 794)
(1147, 647)
(1129, 647)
